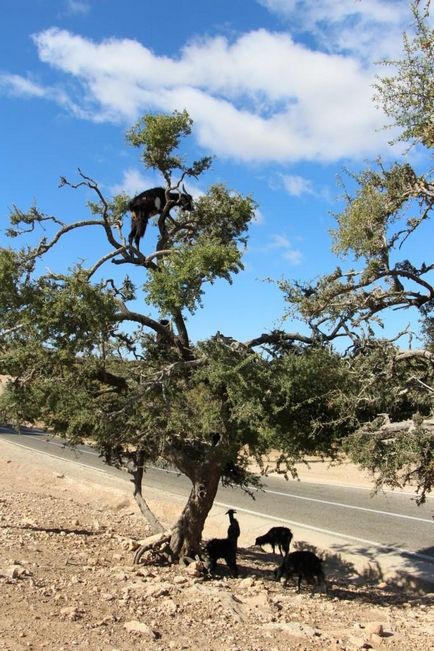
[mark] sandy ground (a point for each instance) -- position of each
(67, 580)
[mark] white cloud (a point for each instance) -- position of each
(77, 6)
(279, 242)
(133, 182)
(293, 256)
(372, 28)
(297, 185)
(261, 98)
(258, 217)
(19, 86)
(282, 243)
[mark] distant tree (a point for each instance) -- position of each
(394, 435)
(100, 355)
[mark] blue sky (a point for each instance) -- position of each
(280, 92)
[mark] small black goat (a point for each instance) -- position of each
(305, 565)
(234, 526)
(277, 536)
(225, 548)
(153, 202)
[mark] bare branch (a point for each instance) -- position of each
(102, 260)
(45, 246)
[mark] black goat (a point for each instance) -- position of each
(234, 527)
(153, 202)
(305, 565)
(277, 536)
(225, 548)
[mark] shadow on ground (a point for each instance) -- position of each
(345, 582)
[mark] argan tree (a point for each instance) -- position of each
(101, 352)
(387, 207)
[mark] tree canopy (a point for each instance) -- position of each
(102, 351)
(388, 207)
(107, 357)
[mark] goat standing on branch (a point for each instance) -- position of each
(154, 202)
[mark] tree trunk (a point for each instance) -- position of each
(137, 473)
(187, 533)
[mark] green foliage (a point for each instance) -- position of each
(407, 97)
(207, 247)
(310, 400)
(10, 296)
(363, 226)
(380, 216)
(396, 459)
(223, 216)
(160, 136)
(178, 284)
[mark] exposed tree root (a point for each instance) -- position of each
(157, 543)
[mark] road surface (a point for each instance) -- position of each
(390, 521)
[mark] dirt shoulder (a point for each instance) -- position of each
(67, 580)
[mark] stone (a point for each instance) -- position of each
(375, 627)
(358, 643)
(247, 583)
(196, 568)
(294, 628)
(169, 606)
(13, 572)
(140, 627)
(71, 612)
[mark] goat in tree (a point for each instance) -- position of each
(153, 202)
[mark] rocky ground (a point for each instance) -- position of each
(67, 582)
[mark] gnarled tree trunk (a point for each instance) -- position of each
(187, 533)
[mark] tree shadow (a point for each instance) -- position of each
(345, 581)
(56, 530)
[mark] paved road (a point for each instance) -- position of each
(390, 520)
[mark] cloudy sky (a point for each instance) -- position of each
(280, 92)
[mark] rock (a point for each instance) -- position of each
(108, 596)
(132, 545)
(375, 627)
(358, 643)
(13, 572)
(117, 557)
(157, 591)
(71, 612)
(180, 580)
(293, 628)
(169, 607)
(196, 568)
(140, 627)
(247, 583)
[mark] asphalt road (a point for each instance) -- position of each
(388, 520)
